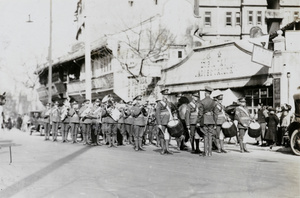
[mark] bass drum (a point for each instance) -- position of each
(229, 129)
(254, 130)
(175, 128)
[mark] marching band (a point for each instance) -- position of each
(159, 119)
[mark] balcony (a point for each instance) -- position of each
(100, 83)
(274, 14)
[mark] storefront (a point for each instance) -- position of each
(225, 66)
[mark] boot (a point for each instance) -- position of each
(209, 145)
(130, 139)
(222, 146)
(167, 147)
(114, 138)
(218, 145)
(197, 151)
(136, 145)
(163, 149)
(192, 144)
(245, 149)
(205, 146)
(140, 145)
(241, 147)
(108, 139)
(124, 140)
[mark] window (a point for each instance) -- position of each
(259, 18)
(207, 18)
(237, 18)
(296, 15)
(179, 54)
(155, 2)
(250, 17)
(228, 18)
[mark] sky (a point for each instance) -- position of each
(23, 45)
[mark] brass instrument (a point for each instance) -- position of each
(86, 112)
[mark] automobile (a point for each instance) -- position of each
(294, 128)
(35, 122)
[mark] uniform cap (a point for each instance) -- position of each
(196, 94)
(242, 100)
(97, 100)
(138, 97)
(216, 93)
(106, 98)
(165, 92)
(209, 89)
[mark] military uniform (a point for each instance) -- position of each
(139, 123)
(74, 122)
(55, 120)
(242, 116)
(65, 122)
(46, 121)
(162, 115)
(207, 117)
(191, 116)
(85, 121)
(111, 127)
(218, 96)
(95, 125)
(128, 121)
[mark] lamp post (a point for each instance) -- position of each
(288, 75)
(50, 58)
(88, 69)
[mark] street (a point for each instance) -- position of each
(54, 169)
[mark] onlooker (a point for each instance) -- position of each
(272, 122)
(262, 114)
(285, 121)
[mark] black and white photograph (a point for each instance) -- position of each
(149, 98)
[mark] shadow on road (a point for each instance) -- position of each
(31, 179)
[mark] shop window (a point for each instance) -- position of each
(250, 17)
(207, 18)
(228, 18)
(259, 18)
(237, 18)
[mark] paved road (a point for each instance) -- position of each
(55, 169)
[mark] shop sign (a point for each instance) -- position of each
(262, 56)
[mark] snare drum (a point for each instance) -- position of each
(254, 130)
(229, 129)
(175, 128)
(115, 114)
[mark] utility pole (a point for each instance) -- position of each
(88, 70)
(50, 58)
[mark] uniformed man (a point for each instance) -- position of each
(74, 121)
(111, 124)
(65, 120)
(85, 120)
(128, 121)
(242, 116)
(139, 123)
(163, 114)
(96, 109)
(121, 122)
(55, 120)
(191, 116)
(207, 118)
(46, 121)
(151, 123)
(222, 117)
